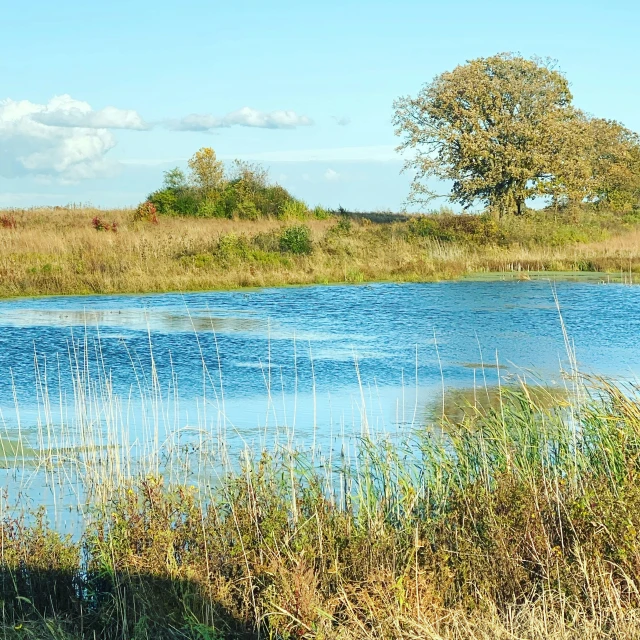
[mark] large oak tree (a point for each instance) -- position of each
(493, 127)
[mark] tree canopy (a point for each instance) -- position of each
(503, 130)
(208, 190)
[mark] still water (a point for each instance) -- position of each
(313, 359)
(96, 389)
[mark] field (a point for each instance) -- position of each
(60, 251)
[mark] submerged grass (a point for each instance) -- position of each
(521, 519)
(60, 251)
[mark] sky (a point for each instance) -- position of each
(98, 99)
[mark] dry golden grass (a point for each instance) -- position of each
(57, 251)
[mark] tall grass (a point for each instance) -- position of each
(59, 251)
(517, 517)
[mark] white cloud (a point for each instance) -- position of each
(64, 138)
(64, 111)
(194, 122)
(342, 121)
(331, 175)
(245, 117)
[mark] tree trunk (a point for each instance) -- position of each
(519, 207)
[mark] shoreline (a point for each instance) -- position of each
(590, 277)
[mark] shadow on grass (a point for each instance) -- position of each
(66, 604)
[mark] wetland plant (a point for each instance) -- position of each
(519, 518)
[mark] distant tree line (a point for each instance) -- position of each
(503, 130)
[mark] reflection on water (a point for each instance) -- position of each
(460, 404)
(133, 319)
(264, 347)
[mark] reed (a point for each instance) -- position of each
(65, 251)
(517, 517)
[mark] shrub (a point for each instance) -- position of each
(187, 203)
(296, 239)
(100, 225)
(243, 193)
(8, 221)
(171, 202)
(272, 201)
(146, 212)
(320, 213)
(213, 207)
(165, 201)
(231, 247)
(294, 209)
(246, 210)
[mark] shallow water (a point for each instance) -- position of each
(306, 339)
(305, 364)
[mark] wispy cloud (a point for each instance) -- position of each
(331, 175)
(342, 121)
(379, 153)
(245, 117)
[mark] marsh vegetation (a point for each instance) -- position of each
(516, 518)
(61, 251)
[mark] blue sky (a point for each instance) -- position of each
(98, 99)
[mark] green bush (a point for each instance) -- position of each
(295, 209)
(212, 207)
(165, 201)
(247, 198)
(247, 210)
(272, 200)
(231, 246)
(182, 202)
(320, 213)
(296, 239)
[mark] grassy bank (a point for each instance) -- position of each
(521, 518)
(66, 251)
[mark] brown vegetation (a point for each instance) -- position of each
(58, 251)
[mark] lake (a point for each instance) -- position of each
(308, 366)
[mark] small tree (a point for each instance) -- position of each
(249, 175)
(206, 171)
(491, 126)
(175, 179)
(248, 181)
